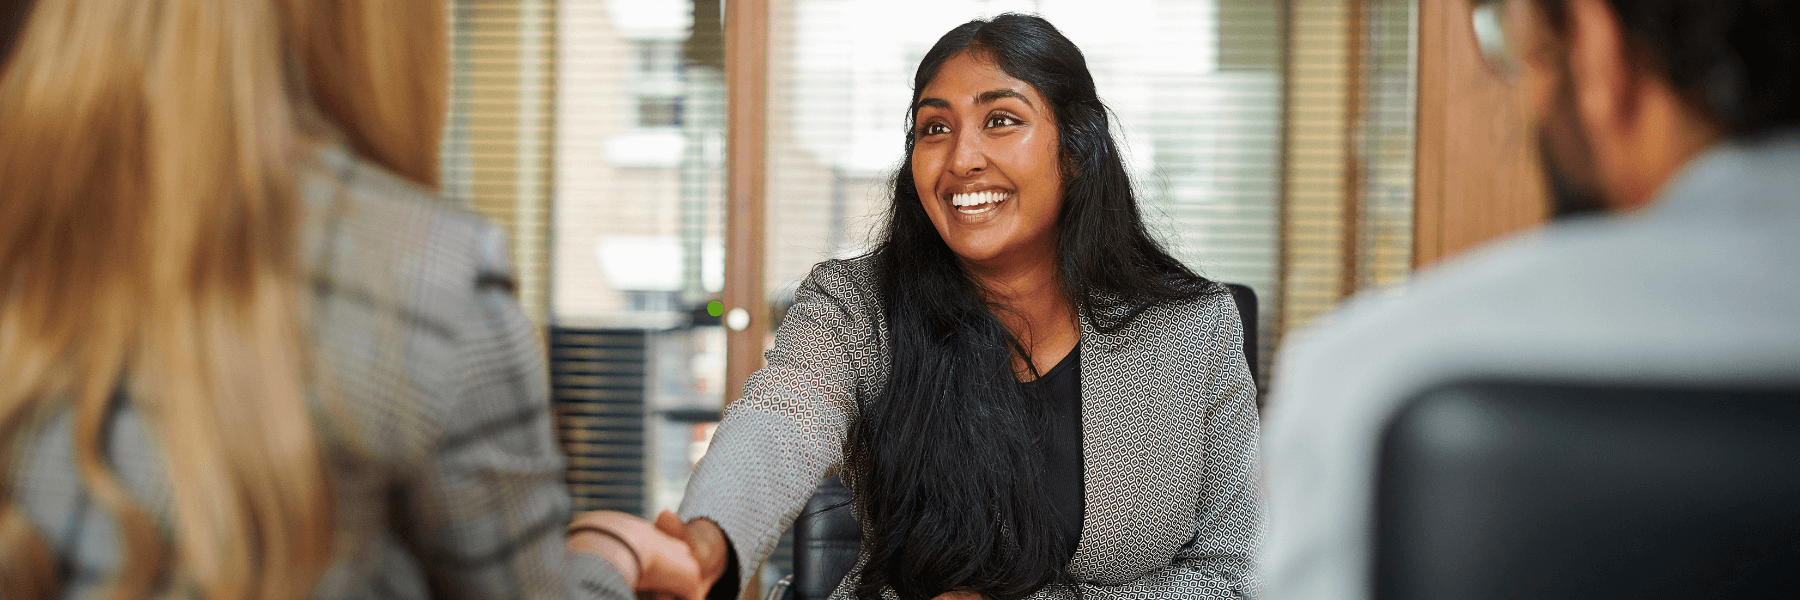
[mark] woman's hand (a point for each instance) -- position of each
(653, 562)
(705, 538)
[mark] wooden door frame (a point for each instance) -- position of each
(1477, 176)
(746, 181)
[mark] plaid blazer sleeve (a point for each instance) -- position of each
(486, 511)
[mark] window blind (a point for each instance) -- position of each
(496, 154)
(1350, 114)
(1317, 124)
(1385, 241)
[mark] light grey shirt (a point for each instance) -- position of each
(1702, 288)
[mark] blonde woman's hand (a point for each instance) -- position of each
(664, 565)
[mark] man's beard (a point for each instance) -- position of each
(1568, 157)
(1568, 197)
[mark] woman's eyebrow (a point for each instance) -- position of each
(932, 102)
(992, 95)
(982, 98)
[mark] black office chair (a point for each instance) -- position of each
(1547, 491)
(828, 539)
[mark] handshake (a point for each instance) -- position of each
(668, 559)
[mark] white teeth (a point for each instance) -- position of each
(977, 198)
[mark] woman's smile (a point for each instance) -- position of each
(979, 203)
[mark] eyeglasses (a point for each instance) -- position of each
(1492, 21)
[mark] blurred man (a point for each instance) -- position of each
(1668, 129)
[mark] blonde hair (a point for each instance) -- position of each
(149, 233)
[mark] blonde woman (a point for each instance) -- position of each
(245, 351)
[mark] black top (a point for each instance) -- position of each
(1063, 468)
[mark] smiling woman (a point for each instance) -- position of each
(1024, 391)
(985, 149)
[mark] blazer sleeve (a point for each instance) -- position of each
(786, 432)
(486, 512)
(1217, 562)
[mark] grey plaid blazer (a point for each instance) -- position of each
(1169, 433)
(449, 482)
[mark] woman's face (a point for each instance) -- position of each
(986, 163)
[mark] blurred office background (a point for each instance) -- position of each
(1273, 144)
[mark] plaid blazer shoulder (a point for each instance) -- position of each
(435, 413)
(1169, 436)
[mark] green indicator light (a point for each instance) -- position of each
(715, 308)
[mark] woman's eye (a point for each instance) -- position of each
(933, 129)
(1001, 121)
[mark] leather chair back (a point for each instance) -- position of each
(1246, 307)
(1548, 491)
(827, 541)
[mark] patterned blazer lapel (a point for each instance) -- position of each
(1140, 450)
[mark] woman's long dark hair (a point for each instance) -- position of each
(946, 459)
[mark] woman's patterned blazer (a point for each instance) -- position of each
(1169, 437)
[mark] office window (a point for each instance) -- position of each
(1386, 128)
(497, 143)
(639, 233)
(659, 112)
(657, 57)
(1349, 153)
(652, 302)
(1195, 86)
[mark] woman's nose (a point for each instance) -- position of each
(968, 157)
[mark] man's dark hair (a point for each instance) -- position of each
(1738, 60)
(12, 21)
(945, 458)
